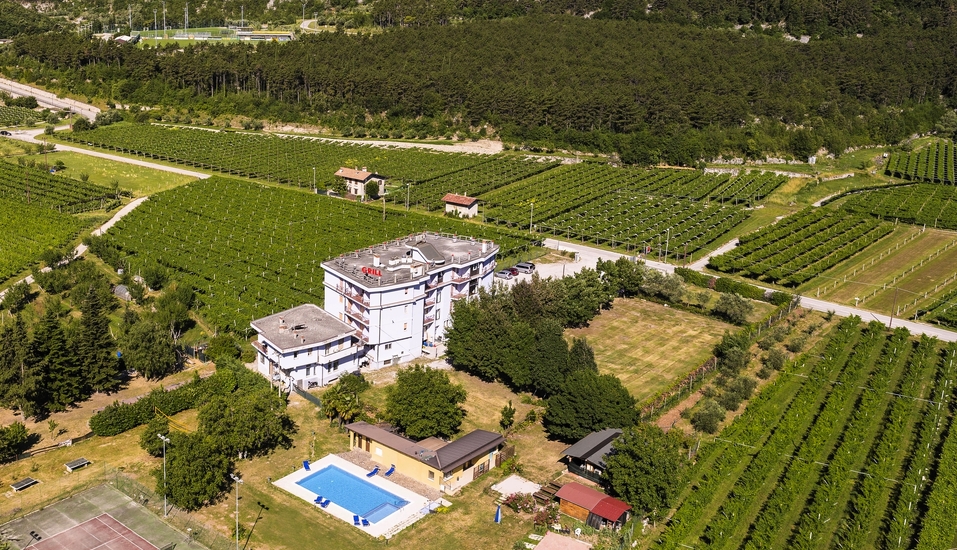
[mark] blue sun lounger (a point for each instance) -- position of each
(318, 501)
(390, 471)
(305, 464)
(355, 520)
(325, 503)
(373, 472)
(365, 522)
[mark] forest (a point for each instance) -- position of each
(650, 91)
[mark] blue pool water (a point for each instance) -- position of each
(352, 493)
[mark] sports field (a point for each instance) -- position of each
(100, 518)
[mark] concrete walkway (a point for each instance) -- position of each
(698, 265)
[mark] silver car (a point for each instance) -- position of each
(503, 274)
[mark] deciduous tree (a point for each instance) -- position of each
(645, 467)
(197, 471)
(588, 402)
(423, 402)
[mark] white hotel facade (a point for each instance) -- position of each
(384, 305)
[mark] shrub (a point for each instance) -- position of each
(708, 417)
(796, 344)
(775, 359)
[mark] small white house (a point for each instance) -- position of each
(464, 206)
(356, 180)
(305, 346)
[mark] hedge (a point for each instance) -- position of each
(118, 417)
(724, 284)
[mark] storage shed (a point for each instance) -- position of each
(464, 206)
(595, 508)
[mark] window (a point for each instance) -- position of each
(387, 346)
(448, 476)
(387, 362)
(309, 351)
(438, 297)
(438, 314)
(406, 290)
(405, 326)
(431, 475)
(295, 354)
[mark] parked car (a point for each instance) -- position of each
(512, 270)
(503, 274)
(525, 267)
(4, 133)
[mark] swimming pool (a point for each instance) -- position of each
(352, 493)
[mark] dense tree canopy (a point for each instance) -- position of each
(423, 403)
(588, 402)
(653, 91)
(644, 468)
(196, 471)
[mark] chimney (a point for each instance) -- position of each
(282, 324)
(376, 261)
(364, 169)
(484, 247)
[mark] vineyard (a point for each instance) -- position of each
(251, 250)
(934, 164)
(289, 160)
(13, 116)
(921, 204)
(852, 447)
(33, 185)
(28, 230)
(802, 246)
(675, 212)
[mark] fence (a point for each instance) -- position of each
(179, 519)
(307, 396)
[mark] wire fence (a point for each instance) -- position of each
(188, 524)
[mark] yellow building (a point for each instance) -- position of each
(446, 466)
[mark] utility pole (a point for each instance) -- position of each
(667, 240)
(164, 20)
(130, 8)
(530, 214)
(186, 19)
(242, 15)
(314, 188)
(165, 507)
(155, 36)
(238, 483)
(893, 307)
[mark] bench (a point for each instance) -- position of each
(76, 464)
(24, 483)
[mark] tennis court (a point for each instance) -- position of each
(100, 533)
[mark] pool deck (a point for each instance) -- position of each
(393, 523)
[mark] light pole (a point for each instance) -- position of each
(238, 483)
(531, 213)
(667, 240)
(314, 188)
(165, 507)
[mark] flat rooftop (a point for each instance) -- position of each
(397, 258)
(303, 325)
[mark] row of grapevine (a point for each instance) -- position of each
(922, 204)
(772, 420)
(289, 159)
(250, 250)
(472, 181)
(801, 247)
(13, 116)
(934, 164)
(28, 230)
(846, 463)
(32, 185)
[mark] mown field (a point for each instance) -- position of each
(848, 448)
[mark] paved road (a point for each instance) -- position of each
(703, 262)
(48, 99)
(31, 136)
(589, 256)
(305, 25)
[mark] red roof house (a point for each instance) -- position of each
(462, 205)
(591, 506)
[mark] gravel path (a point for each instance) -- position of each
(483, 146)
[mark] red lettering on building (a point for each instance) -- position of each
(372, 271)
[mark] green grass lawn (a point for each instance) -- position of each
(136, 179)
(648, 345)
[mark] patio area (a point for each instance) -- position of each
(417, 505)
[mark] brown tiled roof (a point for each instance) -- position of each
(353, 174)
(459, 200)
(446, 458)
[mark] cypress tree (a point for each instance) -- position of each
(13, 344)
(95, 346)
(50, 349)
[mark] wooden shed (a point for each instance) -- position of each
(595, 508)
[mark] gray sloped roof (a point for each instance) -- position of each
(446, 458)
(593, 447)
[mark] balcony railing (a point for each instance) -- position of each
(358, 316)
(357, 297)
(459, 295)
(428, 319)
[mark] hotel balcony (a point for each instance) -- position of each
(358, 316)
(357, 297)
(428, 319)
